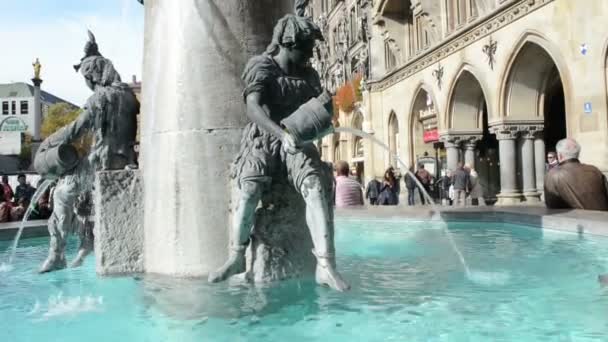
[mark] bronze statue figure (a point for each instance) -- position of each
(280, 87)
(109, 116)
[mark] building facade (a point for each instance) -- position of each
(17, 106)
(492, 83)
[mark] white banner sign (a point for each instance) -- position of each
(10, 143)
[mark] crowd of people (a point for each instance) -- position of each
(568, 184)
(14, 204)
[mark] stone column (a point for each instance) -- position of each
(509, 194)
(452, 150)
(470, 146)
(37, 109)
(368, 153)
(192, 119)
(539, 161)
(367, 127)
(529, 167)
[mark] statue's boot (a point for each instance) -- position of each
(326, 273)
(234, 265)
(52, 263)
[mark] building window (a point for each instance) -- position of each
(353, 26)
(14, 107)
(4, 107)
(390, 58)
(24, 107)
(459, 12)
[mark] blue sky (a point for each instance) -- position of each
(55, 31)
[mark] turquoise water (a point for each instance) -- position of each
(408, 285)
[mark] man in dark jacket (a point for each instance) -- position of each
(372, 191)
(23, 190)
(574, 185)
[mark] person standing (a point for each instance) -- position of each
(573, 185)
(7, 190)
(425, 179)
(476, 189)
(348, 190)
(388, 191)
(410, 184)
(461, 183)
(446, 183)
(373, 191)
(552, 161)
(24, 190)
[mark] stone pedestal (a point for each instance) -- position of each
(280, 241)
(119, 233)
(192, 118)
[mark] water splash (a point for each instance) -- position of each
(5, 267)
(478, 277)
(67, 306)
(39, 192)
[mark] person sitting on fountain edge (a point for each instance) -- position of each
(109, 116)
(277, 83)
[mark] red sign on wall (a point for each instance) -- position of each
(431, 136)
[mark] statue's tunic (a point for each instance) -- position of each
(261, 156)
(111, 114)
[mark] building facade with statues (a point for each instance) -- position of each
(492, 83)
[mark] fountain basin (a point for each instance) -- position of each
(406, 282)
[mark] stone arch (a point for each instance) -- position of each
(467, 101)
(547, 52)
(537, 87)
(423, 99)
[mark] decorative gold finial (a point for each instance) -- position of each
(37, 66)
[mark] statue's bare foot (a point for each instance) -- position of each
(326, 273)
(82, 253)
(53, 263)
(234, 265)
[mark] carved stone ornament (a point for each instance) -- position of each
(490, 51)
(438, 74)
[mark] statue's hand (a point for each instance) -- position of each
(289, 143)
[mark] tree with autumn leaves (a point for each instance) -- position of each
(348, 95)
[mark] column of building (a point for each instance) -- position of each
(529, 162)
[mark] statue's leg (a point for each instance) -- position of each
(320, 223)
(250, 194)
(86, 243)
(59, 226)
(84, 208)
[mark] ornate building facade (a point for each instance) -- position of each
(492, 83)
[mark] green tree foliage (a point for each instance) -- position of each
(59, 115)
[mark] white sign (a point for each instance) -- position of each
(13, 124)
(10, 143)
